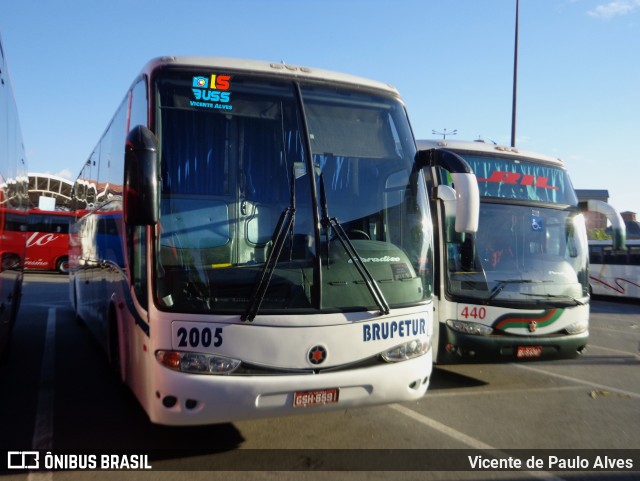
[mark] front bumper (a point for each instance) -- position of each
(456, 347)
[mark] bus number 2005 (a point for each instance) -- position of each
(196, 337)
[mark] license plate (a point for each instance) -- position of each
(318, 397)
(528, 351)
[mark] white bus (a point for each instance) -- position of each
(518, 289)
(14, 202)
(614, 272)
(262, 247)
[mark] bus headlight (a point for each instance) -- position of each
(578, 327)
(406, 351)
(196, 362)
(472, 328)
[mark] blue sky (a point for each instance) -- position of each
(71, 62)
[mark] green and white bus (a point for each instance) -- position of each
(517, 289)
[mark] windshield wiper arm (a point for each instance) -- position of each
(575, 300)
(501, 284)
(283, 228)
(333, 223)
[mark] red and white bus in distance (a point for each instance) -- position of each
(48, 240)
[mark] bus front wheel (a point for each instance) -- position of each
(62, 266)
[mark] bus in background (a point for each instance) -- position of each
(614, 272)
(272, 245)
(48, 240)
(14, 201)
(518, 289)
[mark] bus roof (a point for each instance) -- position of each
(280, 69)
(480, 146)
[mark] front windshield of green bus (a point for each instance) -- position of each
(236, 169)
(531, 244)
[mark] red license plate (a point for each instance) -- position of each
(318, 397)
(528, 352)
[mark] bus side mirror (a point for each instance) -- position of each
(467, 202)
(141, 178)
(618, 227)
(465, 190)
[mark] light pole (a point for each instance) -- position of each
(515, 81)
(445, 133)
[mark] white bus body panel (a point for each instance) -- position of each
(273, 342)
(615, 280)
(619, 279)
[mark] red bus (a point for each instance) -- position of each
(48, 240)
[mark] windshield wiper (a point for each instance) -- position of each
(501, 284)
(576, 301)
(333, 223)
(283, 228)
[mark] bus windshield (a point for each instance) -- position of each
(531, 245)
(521, 253)
(265, 169)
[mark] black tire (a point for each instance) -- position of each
(62, 266)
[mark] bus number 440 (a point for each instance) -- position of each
(473, 313)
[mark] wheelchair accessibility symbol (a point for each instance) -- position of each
(537, 224)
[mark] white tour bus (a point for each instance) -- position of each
(263, 245)
(614, 272)
(517, 289)
(14, 202)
